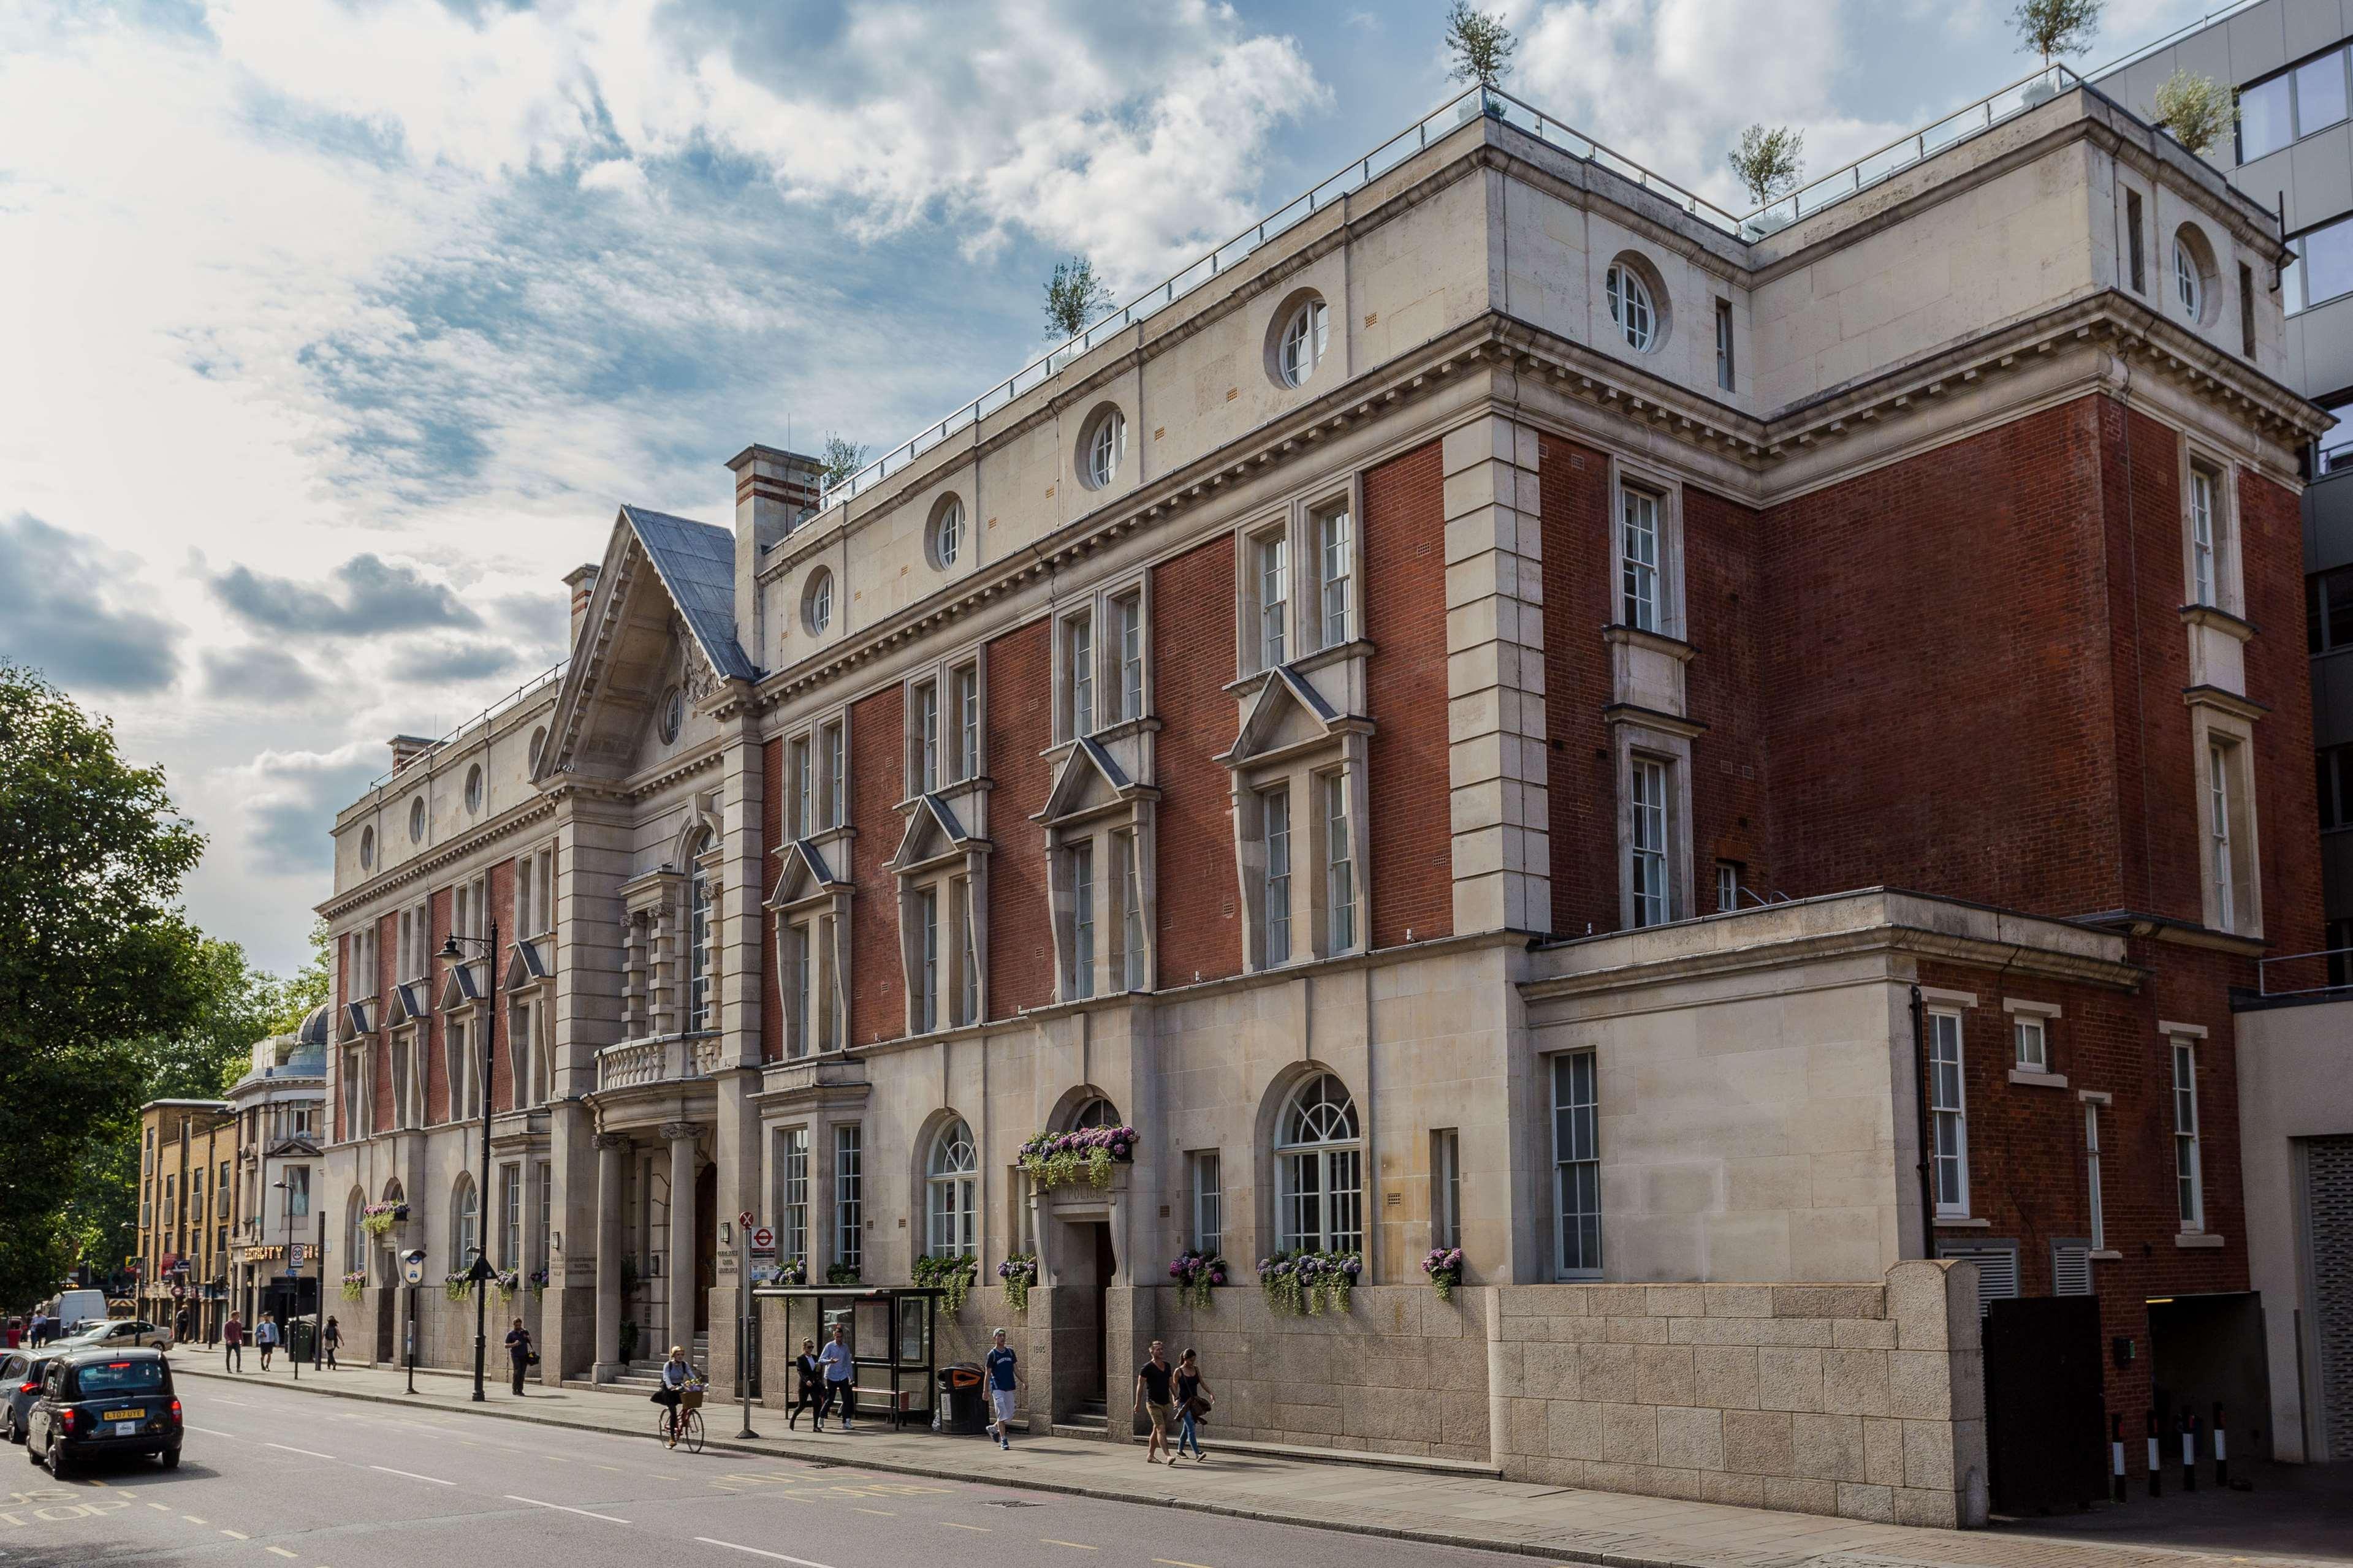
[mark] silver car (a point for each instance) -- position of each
(118, 1333)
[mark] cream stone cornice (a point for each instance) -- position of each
(422, 866)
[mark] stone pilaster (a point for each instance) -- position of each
(1495, 682)
(680, 1262)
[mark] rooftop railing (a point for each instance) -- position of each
(527, 689)
(1850, 181)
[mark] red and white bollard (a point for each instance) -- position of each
(2189, 1453)
(2221, 1453)
(2117, 1454)
(2156, 1460)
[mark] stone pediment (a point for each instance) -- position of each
(1090, 780)
(1287, 713)
(460, 987)
(357, 1022)
(527, 966)
(933, 830)
(410, 1002)
(661, 616)
(802, 874)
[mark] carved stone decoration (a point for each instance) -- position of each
(678, 1131)
(612, 1140)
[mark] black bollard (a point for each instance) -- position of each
(2116, 1453)
(2156, 1460)
(2189, 1453)
(2221, 1453)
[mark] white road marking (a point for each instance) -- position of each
(159, 1507)
(757, 1551)
(534, 1502)
(236, 1534)
(292, 1449)
(412, 1474)
(192, 1519)
(210, 1433)
(281, 1552)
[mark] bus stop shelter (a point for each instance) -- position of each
(888, 1328)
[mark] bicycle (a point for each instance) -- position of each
(686, 1423)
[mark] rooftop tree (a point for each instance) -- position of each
(1076, 298)
(1768, 163)
(2055, 27)
(1479, 44)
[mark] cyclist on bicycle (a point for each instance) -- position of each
(678, 1374)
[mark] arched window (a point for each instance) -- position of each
(817, 602)
(1106, 443)
(1095, 1112)
(1304, 335)
(2189, 279)
(465, 1224)
(1631, 309)
(1320, 1158)
(948, 533)
(955, 1182)
(355, 1261)
(699, 964)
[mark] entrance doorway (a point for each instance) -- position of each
(384, 1293)
(706, 1244)
(1081, 1323)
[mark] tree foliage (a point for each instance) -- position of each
(1768, 163)
(1076, 297)
(841, 458)
(2196, 109)
(297, 997)
(1479, 44)
(94, 950)
(2055, 27)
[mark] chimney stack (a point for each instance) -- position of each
(774, 492)
(406, 749)
(582, 581)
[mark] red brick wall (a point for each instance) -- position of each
(1935, 642)
(1731, 789)
(878, 1002)
(771, 837)
(387, 928)
(1193, 658)
(1411, 878)
(1581, 786)
(503, 885)
(1020, 727)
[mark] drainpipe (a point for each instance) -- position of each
(1920, 1071)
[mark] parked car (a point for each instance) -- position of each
(97, 1403)
(20, 1384)
(115, 1333)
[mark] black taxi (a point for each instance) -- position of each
(98, 1403)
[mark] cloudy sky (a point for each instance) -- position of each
(335, 330)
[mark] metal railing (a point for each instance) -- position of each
(1496, 104)
(2333, 968)
(528, 689)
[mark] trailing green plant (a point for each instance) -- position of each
(508, 1282)
(538, 1281)
(456, 1286)
(841, 1274)
(1059, 1158)
(951, 1276)
(1444, 1266)
(378, 1219)
(352, 1285)
(1308, 1283)
(792, 1271)
(1197, 1274)
(1018, 1272)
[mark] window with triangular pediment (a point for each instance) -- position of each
(942, 869)
(810, 903)
(1300, 835)
(1100, 863)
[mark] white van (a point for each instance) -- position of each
(75, 1307)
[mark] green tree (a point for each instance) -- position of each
(1075, 297)
(1769, 162)
(94, 950)
(841, 458)
(2055, 27)
(297, 997)
(2196, 110)
(1479, 44)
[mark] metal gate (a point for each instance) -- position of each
(2328, 1205)
(2045, 1445)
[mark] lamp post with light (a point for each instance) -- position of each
(480, 1273)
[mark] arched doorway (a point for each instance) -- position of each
(706, 1244)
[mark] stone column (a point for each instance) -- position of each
(1495, 679)
(612, 1156)
(681, 1136)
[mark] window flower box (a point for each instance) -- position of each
(1444, 1266)
(1018, 1272)
(1059, 1158)
(952, 1275)
(354, 1284)
(378, 1219)
(1307, 1284)
(1197, 1274)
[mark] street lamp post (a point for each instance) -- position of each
(453, 952)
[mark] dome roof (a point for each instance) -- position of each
(313, 1028)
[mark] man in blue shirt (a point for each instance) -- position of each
(835, 1361)
(1002, 1381)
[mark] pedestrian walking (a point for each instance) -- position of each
(35, 1329)
(1152, 1390)
(331, 1337)
(519, 1354)
(265, 1339)
(179, 1329)
(232, 1343)
(1003, 1379)
(835, 1361)
(1192, 1407)
(809, 1383)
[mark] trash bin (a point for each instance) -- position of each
(298, 1338)
(961, 1407)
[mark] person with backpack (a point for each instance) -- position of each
(331, 1338)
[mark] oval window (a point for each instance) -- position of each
(538, 745)
(1105, 445)
(2192, 270)
(817, 602)
(948, 533)
(417, 820)
(1305, 334)
(474, 789)
(673, 714)
(1631, 310)
(367, 848)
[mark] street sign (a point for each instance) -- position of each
(295, 1252)
(412, 1270)
(764, 1242)
(748, 1219)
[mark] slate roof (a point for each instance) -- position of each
(697, 563)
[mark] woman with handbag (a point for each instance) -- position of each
(519, 1354)
(1192, 1407)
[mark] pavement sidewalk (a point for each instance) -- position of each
(1553, 1523)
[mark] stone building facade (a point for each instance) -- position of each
(1505, 710)
(187, 1152)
